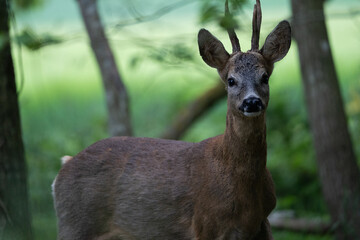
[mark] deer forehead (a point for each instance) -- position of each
(246, 64)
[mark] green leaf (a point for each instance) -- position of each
(32, 41)
(26, 4)
(214, 11)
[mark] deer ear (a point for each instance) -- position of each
(278, 42)
(212, 50)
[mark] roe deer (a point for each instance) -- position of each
(220, 188)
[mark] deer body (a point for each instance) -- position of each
(140, 188)
(143, 188)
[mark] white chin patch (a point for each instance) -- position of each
(252, 114)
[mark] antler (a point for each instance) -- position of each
(232, 35)
(256, 24)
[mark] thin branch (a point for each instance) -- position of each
(153, 16)
(314, 226)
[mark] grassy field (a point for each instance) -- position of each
(63, 109)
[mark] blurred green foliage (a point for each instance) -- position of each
(34, 41)
(213, 11)
(292, 161)
(26, 4)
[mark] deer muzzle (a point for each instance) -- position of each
(252, 107)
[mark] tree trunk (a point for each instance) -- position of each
(116, 95)
(338, 170)
(15, 220)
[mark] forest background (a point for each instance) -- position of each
(63, 107)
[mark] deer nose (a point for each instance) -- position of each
(251, 105)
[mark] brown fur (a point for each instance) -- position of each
(143, 188)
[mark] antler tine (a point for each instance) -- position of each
(231, 31)
(256, 24)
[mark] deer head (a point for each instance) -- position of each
(246, 74)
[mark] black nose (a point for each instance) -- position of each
(252, 104)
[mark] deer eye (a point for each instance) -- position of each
(231, 82)
(265, 79)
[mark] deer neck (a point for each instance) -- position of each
(244, 144)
